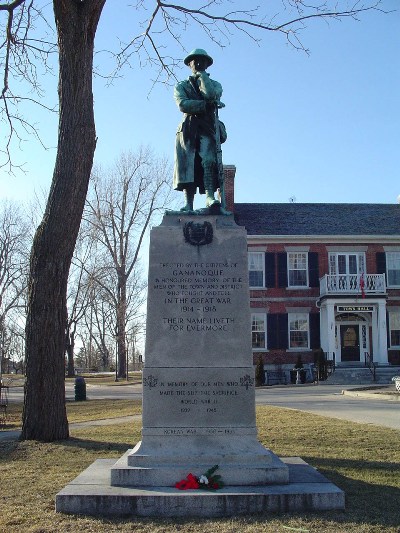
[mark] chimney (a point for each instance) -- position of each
(229, 177)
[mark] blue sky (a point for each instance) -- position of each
(320, 128)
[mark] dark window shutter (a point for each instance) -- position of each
(269, 270)
(283, 341)
(315, 338)
(381, 263)
(272, 331)
(282, 269)
(313, 270)
(277, 333)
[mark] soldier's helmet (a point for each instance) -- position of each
(198, 52)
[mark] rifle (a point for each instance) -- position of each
(220, 166)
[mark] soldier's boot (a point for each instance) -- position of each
(208, 179)
(189, 198)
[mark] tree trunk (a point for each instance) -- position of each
(44, 414)
(121, 326)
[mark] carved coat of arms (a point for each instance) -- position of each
(198, 234)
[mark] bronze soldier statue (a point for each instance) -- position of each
(198, 162)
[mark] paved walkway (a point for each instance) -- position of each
(322, 399)
(14, 434)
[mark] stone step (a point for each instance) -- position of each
(92, 494)
(346, 375)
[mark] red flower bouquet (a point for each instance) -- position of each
(207, 481)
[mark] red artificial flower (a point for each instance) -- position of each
(192, 482)
(189, 483)
(181, 485)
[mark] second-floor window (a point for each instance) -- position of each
(256, 269)
(297, 269)
(346, 263)
(393, 269)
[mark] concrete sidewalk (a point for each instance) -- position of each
(373, 393)
(15, 434)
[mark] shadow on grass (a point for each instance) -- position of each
(96, 445)
(7, 448)
(372, 502)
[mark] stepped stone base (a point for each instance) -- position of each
(92, 494)
(135, 469)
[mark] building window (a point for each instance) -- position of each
(297, 269)
(394, 326)
(256, 269)
(393, 269)
(346, 263)
(298, 330)
(258, 331)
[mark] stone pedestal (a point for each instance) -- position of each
(198, 394)
(198, 381)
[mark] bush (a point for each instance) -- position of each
(260, 374)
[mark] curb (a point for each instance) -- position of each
(372, 395)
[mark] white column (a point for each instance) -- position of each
(381, 354)
(330, 319)
(323, 328)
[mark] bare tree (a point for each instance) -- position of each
(78, 296)
(44, 413)
(121, 208)
(76, 21)
(13, 273)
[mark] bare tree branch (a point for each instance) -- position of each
(20, 58)
(173, 20)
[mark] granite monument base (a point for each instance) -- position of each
(257, 466)
(198, 393)
(92, 494)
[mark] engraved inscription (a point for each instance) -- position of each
(202, 397)
(198, 297)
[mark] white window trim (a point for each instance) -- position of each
(387, 270)
(307, 285)
(264, 316)
(299, 348)
(263, 270)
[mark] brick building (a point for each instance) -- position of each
(322, 276)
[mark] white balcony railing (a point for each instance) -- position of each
(353, 284)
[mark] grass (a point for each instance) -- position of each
(363, 460)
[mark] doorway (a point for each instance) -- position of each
(350, 342)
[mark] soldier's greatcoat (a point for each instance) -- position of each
(197, 120)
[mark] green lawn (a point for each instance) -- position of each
(363, 460)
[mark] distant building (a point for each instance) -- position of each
(322, 276)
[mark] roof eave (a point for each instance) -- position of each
(380, 239)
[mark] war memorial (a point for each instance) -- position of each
(199, 454)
